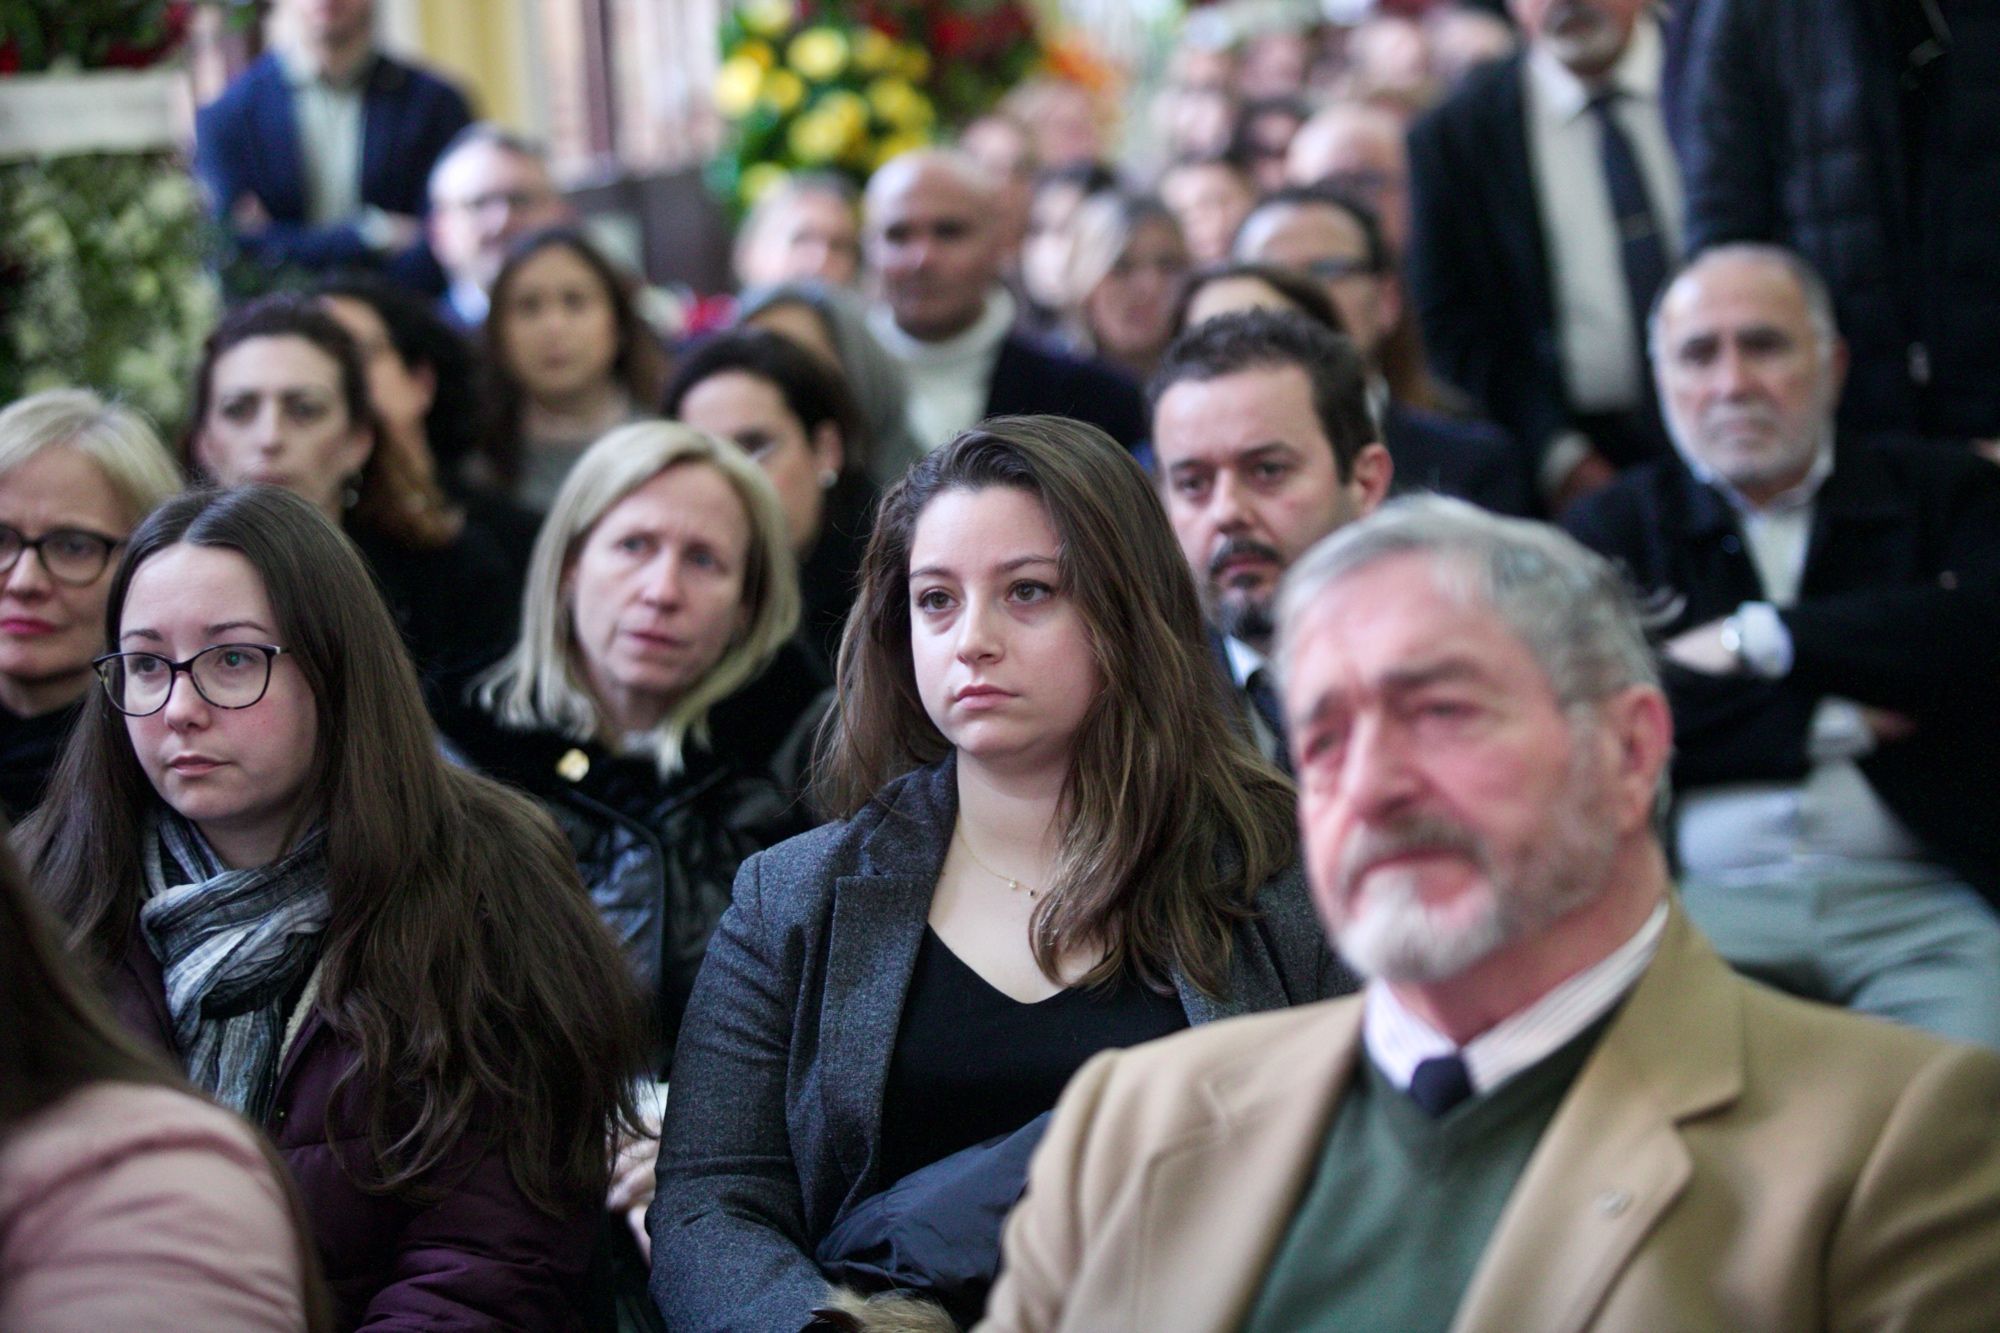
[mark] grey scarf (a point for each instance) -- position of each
(234, 946)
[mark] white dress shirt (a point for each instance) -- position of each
(1596, 326)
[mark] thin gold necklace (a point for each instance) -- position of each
(1014, 885)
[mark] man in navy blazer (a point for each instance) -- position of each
(934, 239)
(1517, 261)
(319, 154)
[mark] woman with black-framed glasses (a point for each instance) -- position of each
(76, 474)
(385, 961)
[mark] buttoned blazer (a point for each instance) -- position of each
(1727, 1158)
(774, 1120)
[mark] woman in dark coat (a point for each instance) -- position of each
(1053, 843)
(385, 961)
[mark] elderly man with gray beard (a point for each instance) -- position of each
(1828, 612)
(1553, 1107)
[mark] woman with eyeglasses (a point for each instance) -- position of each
(76, 474)
(383, 960)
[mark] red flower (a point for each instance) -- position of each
(10, 57)
(953, 36)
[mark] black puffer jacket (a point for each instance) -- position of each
(660, 856)
(1797, 128)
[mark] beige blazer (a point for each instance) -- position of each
(1729, 1158)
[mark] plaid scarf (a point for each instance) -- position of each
(233, 946)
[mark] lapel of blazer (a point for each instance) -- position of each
(1612, 1161)
(275, 128)
(877, 923)
(383, 130)
(1517, 210)
(1217, 1202)
(1862, 532)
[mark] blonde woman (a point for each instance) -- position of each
(657, 703)
(1127, 261)
(76, 476)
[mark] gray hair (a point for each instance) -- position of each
(123, 444)
(1565, 603)
(1818, 297)
(542, 682)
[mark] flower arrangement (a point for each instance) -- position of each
(845, 85)
(100, 251)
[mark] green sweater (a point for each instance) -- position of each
(1401, 1205)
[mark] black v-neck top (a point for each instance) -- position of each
(971, 1063)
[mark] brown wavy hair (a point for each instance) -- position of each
(463, 959)
(1171, 819)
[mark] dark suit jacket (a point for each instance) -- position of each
(247, 143)
(1478, 266)
(1899, 608)
(1473, 460)
(773, 1126)
(1032, 378)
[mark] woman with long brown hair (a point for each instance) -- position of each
(1051, 842)
(121, 1193)
(386, 961)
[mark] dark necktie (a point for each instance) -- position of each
(1265, 700)
(1642, 246)
(1440, 1083)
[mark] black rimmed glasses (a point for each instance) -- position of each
(75, 556)
(227, 675)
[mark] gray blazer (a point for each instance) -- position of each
(774, 1119)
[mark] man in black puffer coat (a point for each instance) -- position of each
(1865, 134)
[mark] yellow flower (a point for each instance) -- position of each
(736, 87)
(818, 53)
(769, 17)
(898, 144)
(760, 52)
(913, 63)
(901, 105)
(873, 51)
(816, 138)
(850, 109)
(759, 180)
(783, 90)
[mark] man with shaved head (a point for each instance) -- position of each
(935, 242)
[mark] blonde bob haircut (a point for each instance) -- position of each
(542, 683)
(126, 449)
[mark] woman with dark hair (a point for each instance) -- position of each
(568, 358)
(284, 396)
(1052, 841)
(832, 324)
(794, 415)
(384, 960)
(122, 1195)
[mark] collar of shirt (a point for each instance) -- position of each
(1244, 661)
(983, 337)
(1397, 1040)
(1637, 74)
(1797, 497)
(302, 71)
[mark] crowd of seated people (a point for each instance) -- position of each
(1342, 705)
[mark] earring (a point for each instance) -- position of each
(827, 478)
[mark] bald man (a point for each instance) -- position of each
(1357, 150)
(934, 240)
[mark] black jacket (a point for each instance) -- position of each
(1797, 128)
(659, 856)
(1899, 608)
(1479, 270)
(1033, 378)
